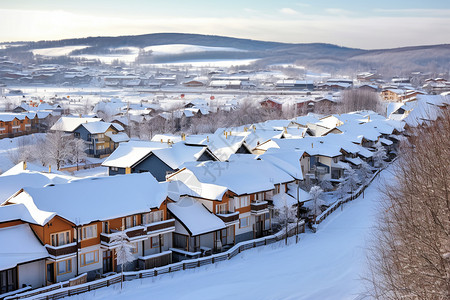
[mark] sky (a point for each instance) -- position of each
(360, 24)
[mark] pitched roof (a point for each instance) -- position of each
(19, 245)
(195, 217)
(99, 198)
(69, 124)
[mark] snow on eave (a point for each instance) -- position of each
(19, 245)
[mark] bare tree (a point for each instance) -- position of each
(358, 99)
(57, 148)
(410, 258)
(77, 150)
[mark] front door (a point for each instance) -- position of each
(259, 226)
(50, 273)
(107, 261)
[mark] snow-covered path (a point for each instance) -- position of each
(324, 265)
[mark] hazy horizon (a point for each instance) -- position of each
(356, 24)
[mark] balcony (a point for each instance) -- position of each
(138, 233)
(57, 251)
(229, 217)
(160, 227)
(258, 208)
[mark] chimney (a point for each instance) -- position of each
(207, 138)
(49, 168)
(24, 164)
(312, 145)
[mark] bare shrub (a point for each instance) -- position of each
(410, 258)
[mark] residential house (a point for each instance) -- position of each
(78, 228)
(237, 192)
(160, 159)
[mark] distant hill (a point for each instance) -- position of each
(320, 56)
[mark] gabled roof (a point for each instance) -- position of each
(100, 127)
(99, 198)
(241, 176)
(288, 161)
(128, 155)
(19, 245)
(10, 184)
(69, 124)
(195, 217)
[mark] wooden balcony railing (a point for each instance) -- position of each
(62, 250)
(258, 207)
(229, 217)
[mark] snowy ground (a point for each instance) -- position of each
(324, 265)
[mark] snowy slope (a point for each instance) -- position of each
(324, 265)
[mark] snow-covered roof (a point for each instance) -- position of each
(288, 161)
(311, 145)
(19, 245)
(100, 127)
(15, 212)
(129, 153)
(99, 198)
(195, 217)
(69, 124)
(119, 137)
(241, 176)
(10, 184)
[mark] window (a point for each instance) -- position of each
(60, 238)
(64, 267)
(259, 196)
(222, 208)
(152, 217)
(130, 222)
(89, 258)
(8, 280)
(244, 201)
(154, 241)
(76, 135)
(106, 227)
(335, 159)
(115, 169)
(87, 232)
(244, 222)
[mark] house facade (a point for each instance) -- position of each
(79, 230)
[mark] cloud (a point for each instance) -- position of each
(288, 11)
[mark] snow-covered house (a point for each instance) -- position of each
(77, 221)
(102, 138)
(22, 256)
(237, 191)
(160, 159)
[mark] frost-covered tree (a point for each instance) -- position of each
(351, 179)
(77, 150)
(123, 251)
(379, 155)
(285, 214)
(315, 193)
(57, 148)
(326, 185)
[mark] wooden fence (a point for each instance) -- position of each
(340, 202)
(62, 289)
